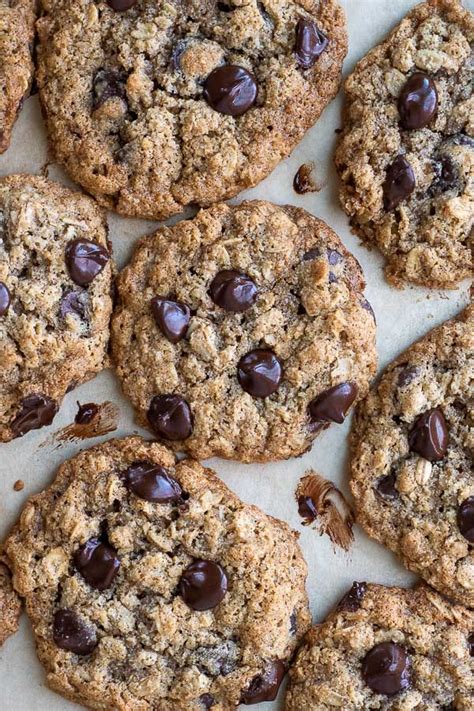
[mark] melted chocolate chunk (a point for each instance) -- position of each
(152, 482)
(121, 5)
(386, 668)
(4, 298)
(97, 563)
(233, 291)
(203, 585)
(72, 634)
(172, 318)
(399, 183)
(74, 302)
(107, 85)
(407, 375)
(470, 644)
(86, 413)
(310, 43)
(334, 257)
(265, 686)
(36, 411)
(465, 518)
(307, 509)
(230, 89)
(311, 254)
(446, 176)
(207, 700)
(259, 372)
(418, 101)
(353, 598)
(332, 405)
(170, 417)
(386, 487)
(85, 260)
(429, 436)
(368, 307)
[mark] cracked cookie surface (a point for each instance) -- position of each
(244, 332)
(406, 155)
(104, 559)
(145, 107)
(17, 23)
(10, 606)
(428, 641)
(412, 454)
(55, 298)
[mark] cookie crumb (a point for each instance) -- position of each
(321, 502)
(19, 485)
(304, 181)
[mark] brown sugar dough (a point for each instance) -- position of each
(412, 443)
(123, 93)
(10, 606)
(17, 27)
(53, 331)
(141, 645)
(427, 237)
(308, 311)
(430, 639)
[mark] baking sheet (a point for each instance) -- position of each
(402, 317)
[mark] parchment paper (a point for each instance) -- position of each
(402, 317)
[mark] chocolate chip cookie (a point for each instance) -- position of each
(154, 105)
(55, 298)
(412, 475)
(10, 606)
(149, 584)
(387, 648)
(243, 333)
(406, 156)
(17, 29)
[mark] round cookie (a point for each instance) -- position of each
(412, 454)
(150, 585)
(10, 606)
(243, 333)
(55, 298)
(388, 649)
(17, 29)
(153, 105)
(406, 154)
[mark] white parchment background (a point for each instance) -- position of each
(402, 317)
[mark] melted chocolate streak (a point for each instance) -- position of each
(105, 421)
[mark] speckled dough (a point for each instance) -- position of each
(427, 239)
(42, 350)
(17, 23)
(10, 606)
(310, 311)
(144, 141)
(153, 650)
(327, 671)
(418, 519)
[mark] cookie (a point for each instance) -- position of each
(152, 106)
(387, 648)
(10, 606)
(55, 298)
(412, 454)
(150, 585)
(406, 155)
(17, 29)
(243, 333)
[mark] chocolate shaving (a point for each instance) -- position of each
(334, 516)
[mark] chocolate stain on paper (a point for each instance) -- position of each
(91, 420)
(321, 503)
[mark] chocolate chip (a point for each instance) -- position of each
(332, 405)
(203, 585)
(74, 302)
(306, 509)
(207, 700)
(152, 482)
(311, 254)
(332, 278)
(97, 563)
(310, 43)
(466, 518)
(407, 375)
(399, 183)
(230, 90)
(4, 298)
(172, 317)
(446, 176)
(386, 487)
(353, 598)
(86, 413)
(85, 260)
(107, 85)
(334, 257)
(72, 634)
(293, 623)
(36, 411)
(386, 668)
(170, 416)
(259, 372)
(233, 291)
(429, 436)
(265, 686)
(470, 644)
(418, 101)
(121, 5)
